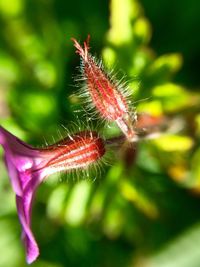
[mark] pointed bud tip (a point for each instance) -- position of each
(82, 50)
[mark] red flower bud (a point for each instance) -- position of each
(105, 93)
(74, 152)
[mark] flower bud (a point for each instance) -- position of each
(106, 94)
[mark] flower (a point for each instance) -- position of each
(28, 167)
(107, 95)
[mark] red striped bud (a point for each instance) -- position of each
(106, 95)
(74, 152)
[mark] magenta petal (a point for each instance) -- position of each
(13, 173)
(18, 157)
(24, 205)
(22, 163)
(32, 250)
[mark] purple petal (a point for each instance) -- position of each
(22, 162)
(18, 157)
(32, 250)
(24, 205)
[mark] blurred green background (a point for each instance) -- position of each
(144, 212)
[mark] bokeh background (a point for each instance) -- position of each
(141, 212)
